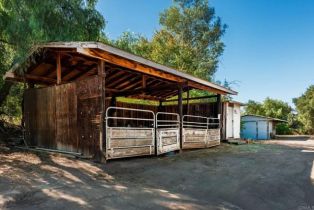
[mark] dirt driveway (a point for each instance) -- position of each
(255, 176)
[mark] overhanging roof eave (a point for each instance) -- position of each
(202, 84)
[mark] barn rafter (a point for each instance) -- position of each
(124, 72)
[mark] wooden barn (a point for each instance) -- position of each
(71, 103)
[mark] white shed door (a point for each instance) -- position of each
(236, 122)
(229, 127)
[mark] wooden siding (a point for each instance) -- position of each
(64, 117)
(88, 110)
(39, 116)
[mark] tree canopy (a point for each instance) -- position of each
(305, 107)
(25, 23)
(189, 39)
(269, 108)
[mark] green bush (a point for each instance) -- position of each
(283, 129)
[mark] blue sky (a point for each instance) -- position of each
(269, 43)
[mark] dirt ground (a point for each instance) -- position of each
(277, 175)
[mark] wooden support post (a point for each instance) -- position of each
(160, 106)
(113, 102)
(180, 109)
(144, 81)
(188, 102)
(58, 69)
(159, 109)
(219, 106)
(102, 133)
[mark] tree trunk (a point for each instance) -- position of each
(5, 90)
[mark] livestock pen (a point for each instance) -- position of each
(71, 103)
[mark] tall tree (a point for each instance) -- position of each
(305, 107)
(24, 23)
(189, 39)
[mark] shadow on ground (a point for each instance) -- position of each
(256, 176)
(293, 137)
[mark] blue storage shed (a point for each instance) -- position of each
(258, 127)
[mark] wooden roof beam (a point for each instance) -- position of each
(145, 97)
(132, 86)
(141, 90)
(129, 82)
(87, 74)
(128, 64)
(112, 77)
(203, 87)
(58, 70)
(42, 80)
(118, 81)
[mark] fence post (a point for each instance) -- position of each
(219, 106)
(102, 75)
(188, 102)
(180, 109)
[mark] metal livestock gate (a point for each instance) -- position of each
(213, 131)
(132, 136)
(200, 132)
(135, 135)
(167, 132)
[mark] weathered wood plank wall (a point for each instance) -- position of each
(39, 115)
(88, 115)
(64, 117)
